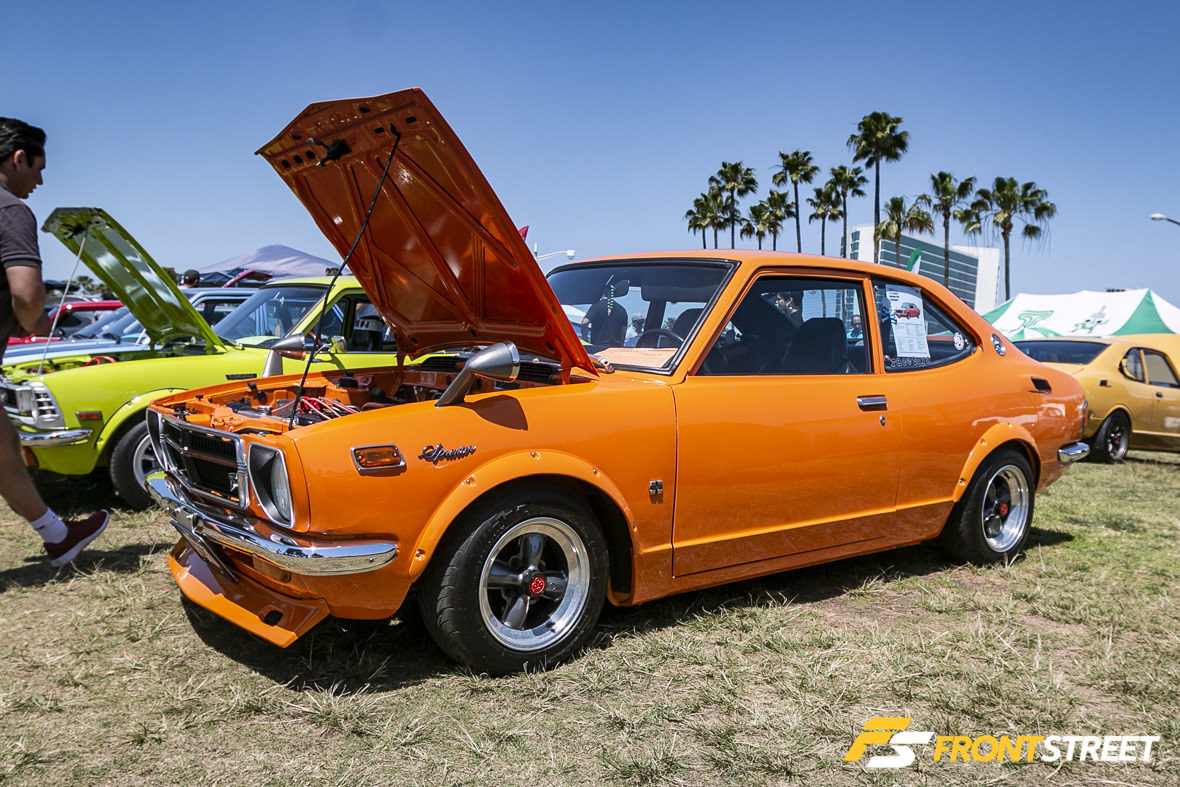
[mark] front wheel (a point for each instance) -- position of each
(132, 459)
(990, 523)
(519, 583)
(1112, 439)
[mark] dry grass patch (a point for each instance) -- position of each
(106, 676)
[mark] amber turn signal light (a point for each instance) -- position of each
(88, 415)
(378, 457)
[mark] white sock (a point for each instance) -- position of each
(50, 527)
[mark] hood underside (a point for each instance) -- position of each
(118, 260)
(440, 258)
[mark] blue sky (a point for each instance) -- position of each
(598, 123)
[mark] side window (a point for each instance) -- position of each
(215, 308)
(1159, 371)
(368, 332)
(1132, 366)
(915, 332)
(793, 325)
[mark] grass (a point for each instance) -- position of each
(106, 676)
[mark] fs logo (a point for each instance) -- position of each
(889, 730)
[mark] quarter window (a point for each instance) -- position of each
(1132, 366)
(916, 333)
(1159, 371)
(790, 325)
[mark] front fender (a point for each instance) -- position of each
(514, 467)
(131, 409)
(993, 438)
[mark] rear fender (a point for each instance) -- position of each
(510, 468)
(998, 435)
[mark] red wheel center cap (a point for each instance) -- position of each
(537, 585)
(1003, 509)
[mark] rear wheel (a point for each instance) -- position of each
(1112, 439)
(519, 583)
(132, 459)
(990, 523)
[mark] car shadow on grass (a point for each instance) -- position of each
(354, 656)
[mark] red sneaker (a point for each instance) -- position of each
(80, 534)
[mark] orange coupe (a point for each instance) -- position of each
(719, 424)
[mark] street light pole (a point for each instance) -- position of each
(1162, 217)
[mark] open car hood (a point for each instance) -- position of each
(122, 265)
(440, 259)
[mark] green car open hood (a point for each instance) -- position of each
(122, 265)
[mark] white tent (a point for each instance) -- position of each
(1085, 313)
(277, 260)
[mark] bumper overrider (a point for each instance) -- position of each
(204, 528)
(1073, 452)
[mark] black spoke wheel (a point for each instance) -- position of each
(1112, 439)
(519, 582)
(990, 523)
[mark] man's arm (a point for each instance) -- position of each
(28, 298)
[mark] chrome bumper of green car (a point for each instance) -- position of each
(44, 438)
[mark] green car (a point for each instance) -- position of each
(78, 419)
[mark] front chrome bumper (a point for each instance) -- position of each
(1074, 452)
(201, 527)
(45, 439)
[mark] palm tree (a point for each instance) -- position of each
(797, 168)
(946, 198)
(900, 218)
(758, 224)
(738, 181)
(878, 139)
(1006, 203)
(698, 218)
(847, 182)
(781, 209)
(825, 207)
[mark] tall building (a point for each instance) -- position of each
(975, 270)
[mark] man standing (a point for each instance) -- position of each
(22, 304)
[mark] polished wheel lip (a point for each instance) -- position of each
(1005, 508)
(564, 618)
(144, 462)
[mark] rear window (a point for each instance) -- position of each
(1062, 352)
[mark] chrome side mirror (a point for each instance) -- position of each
(293, 346)
(499, 362)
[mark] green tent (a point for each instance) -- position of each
(1085, 313)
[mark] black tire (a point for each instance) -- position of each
(127, 454)
(518, 583)
(990, 523)
(1112, 439)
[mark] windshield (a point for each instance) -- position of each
(637, 315)
(101, 324)
(1062, 352)
(269, 314)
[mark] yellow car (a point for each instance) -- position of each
(1131, 383)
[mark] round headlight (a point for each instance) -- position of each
(280, 488)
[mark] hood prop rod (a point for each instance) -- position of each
(335, 146)
(61, 303)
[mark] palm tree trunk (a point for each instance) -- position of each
(946, 250)
(732, 221)
(1007, 271)
(714, 237)
(844, 237)
(774, 241)
(823, 225)
(876, 209)
(798, 232)
(704, 239)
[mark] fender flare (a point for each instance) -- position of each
(996, 436)
(515, 467)
(134, 406)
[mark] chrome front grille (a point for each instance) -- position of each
(209, 463)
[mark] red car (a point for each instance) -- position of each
(69, 317)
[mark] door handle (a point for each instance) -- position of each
(1159, 395)
(872, 402)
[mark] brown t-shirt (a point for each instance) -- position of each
(18, 246)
